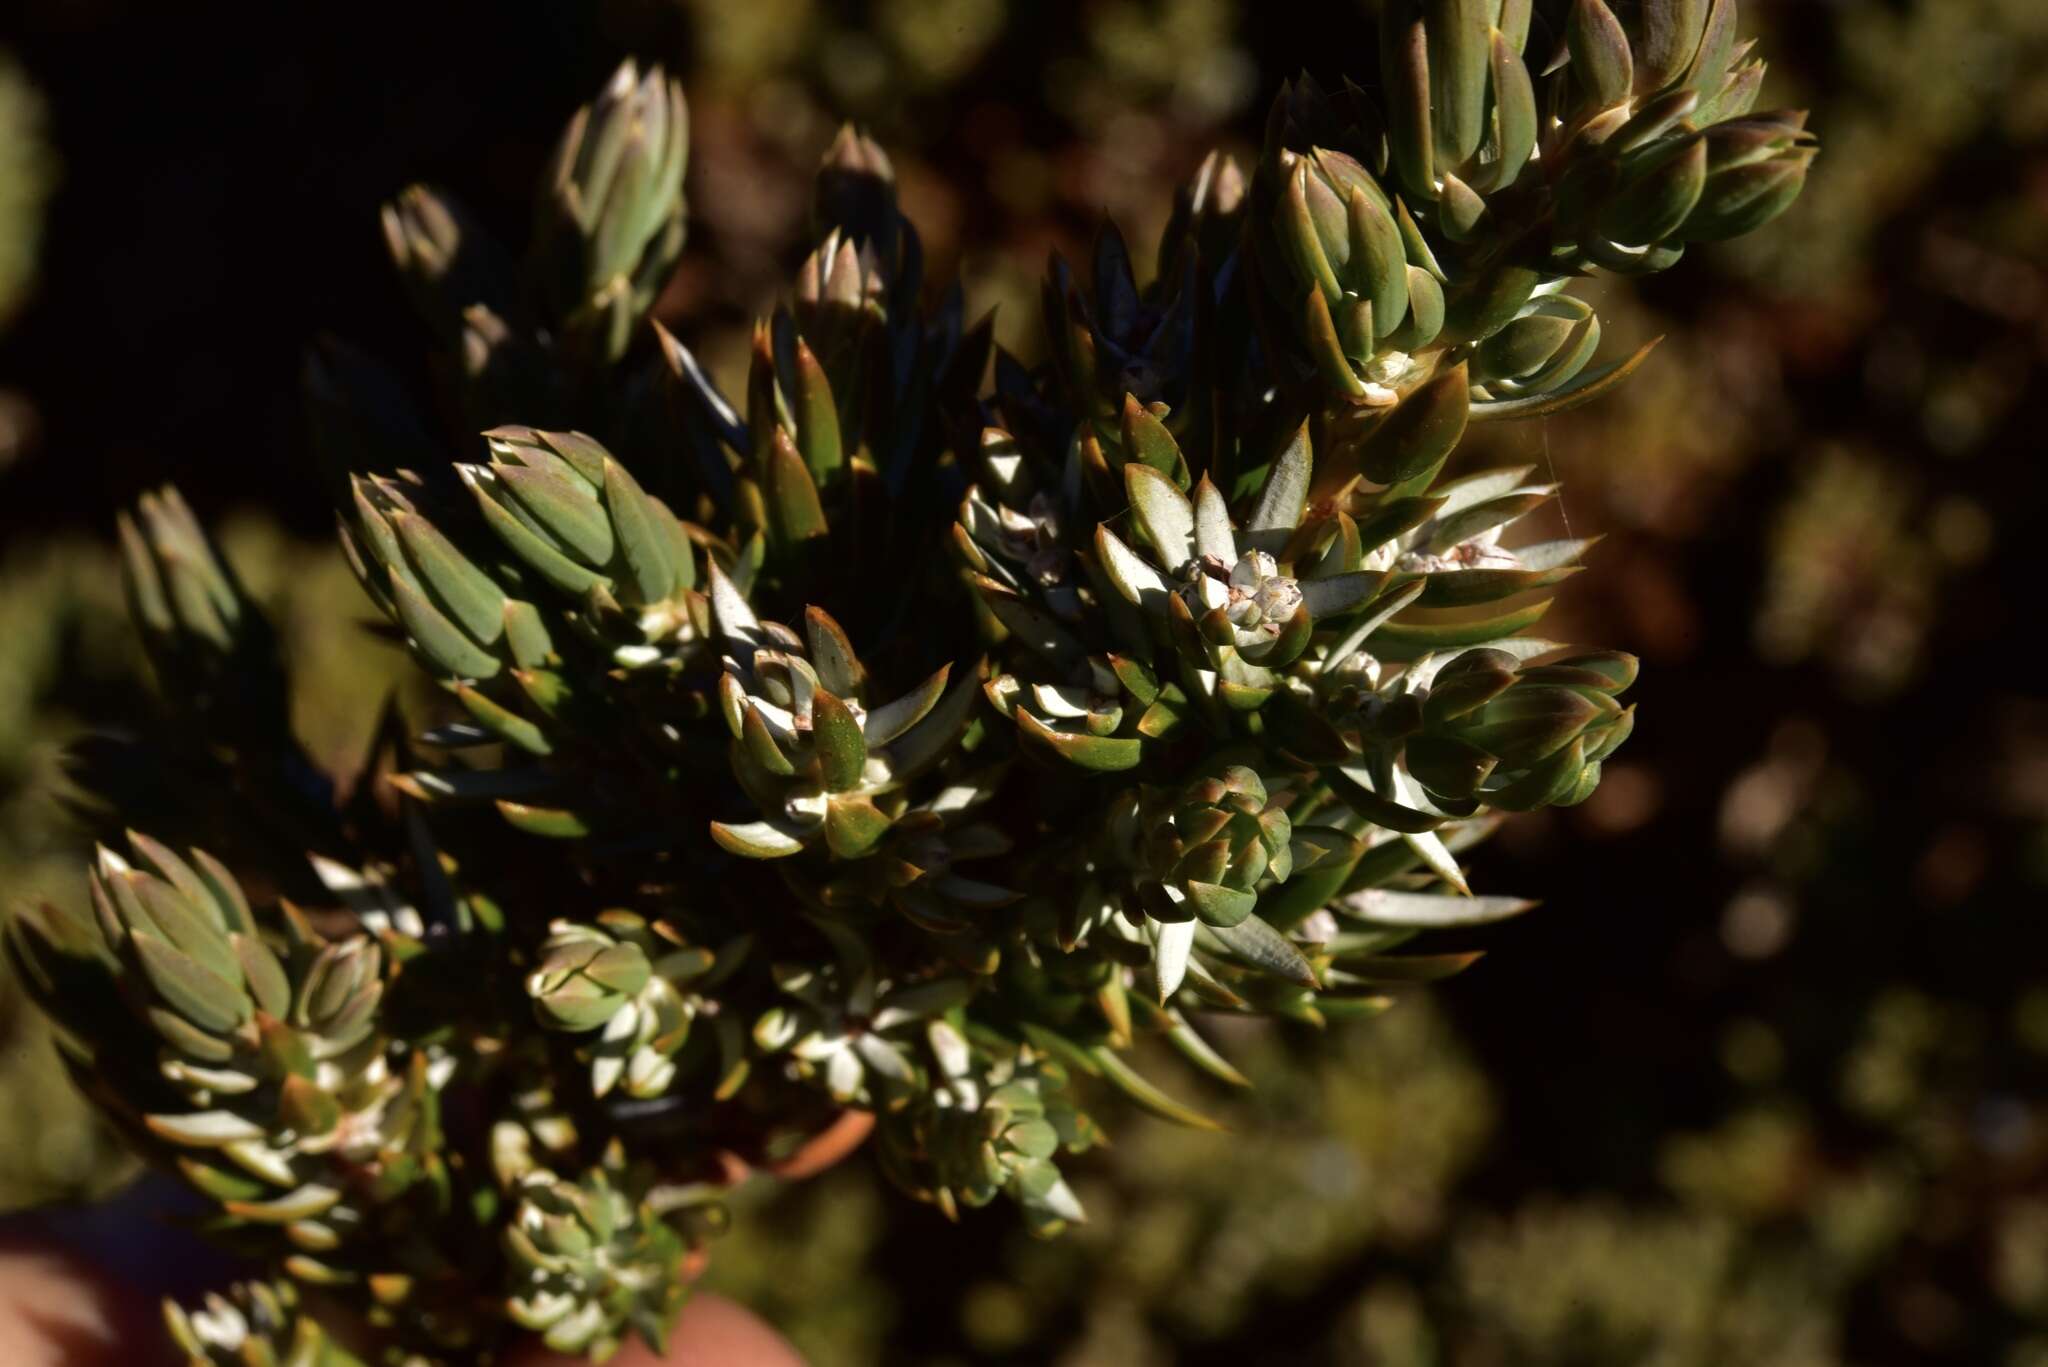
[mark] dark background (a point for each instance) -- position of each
(1762, 1082)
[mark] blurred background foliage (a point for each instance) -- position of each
(1766, 1082)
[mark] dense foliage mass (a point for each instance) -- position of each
(882, 741)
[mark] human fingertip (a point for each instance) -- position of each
(711, 1332)
(55, 1311)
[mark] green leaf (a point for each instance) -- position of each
(583, 455)
(1434, 851)
(1032, 626)
(1427, 910)
(927, 742)
(853, 826)
(1547, 781)
(1326, 347)
(891, 720)
(203, 1129)
(1404, 77)
(234, 907)
(543, 557)
(1653, 119)
(1471, 588)
(1192, 1047)
(1477, 311)
(1716, 48)
(556, 823)
(1278, 511)
(1671, 31)
(1407, 640)
(1462, 685)
(794, 509)
(1220, 906)
(1534, 721)
(1266, 949)
(1617, 670)
(196, 933)
(1407, 968)
(1147, 441)
(1303, 238)
(1379, 259)
(730, 613)
(1458, 64)
(1171, 943)
(1137, 680)
(202, 997)
(1523, 346)
(1079, 1057)
(832, 655)
(641, 543)
(306, 1110)
(1330, 1009)
(1586, 388)
(1453, 529)
(302, 1203)
(836, 734)
(1366, 630)
(1460, 210)
(1564, 365)
(439, 640)
(817, 419)
(502, 722)
(1380, 811)
(1213, 535)
(1391, 518)
(149, 604)
(1514, 102)
(1035, 1139)
(195, 890)
(1100, 754)
(568, 511)
(1163, 513)
(1448, 766)
(930, 998)
(1336, 594)
(1426, 311)
(761, 745)
(757, 839)
(1656, 202)
(1513, 21)
(461, 590)
(1460, 494)
(1161, 719)
(1741, 199)
(1601, 65)
(1421, 432)
(221, 1183)
(1311, 886)
(1111, 1066)
(1134, 576)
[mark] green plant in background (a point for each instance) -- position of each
(877, 741)
(26, 175)
(71, 658)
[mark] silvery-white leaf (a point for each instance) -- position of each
(1278, 511)
(1164, 513)
(1171, 943)
(1213, 536)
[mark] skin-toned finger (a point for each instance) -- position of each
(826, 1148)
(59, 1308)
(57, 1312)
(711, 1332)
